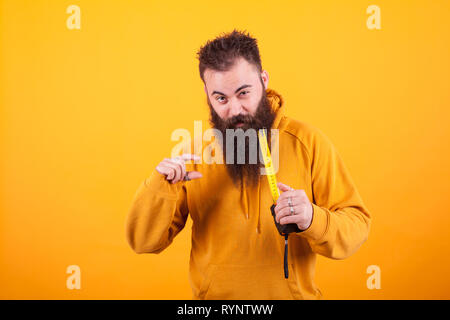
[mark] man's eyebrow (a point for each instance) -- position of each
(237, 90)
(242, 87)
(217, 92)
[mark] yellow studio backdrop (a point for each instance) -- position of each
(88, 105)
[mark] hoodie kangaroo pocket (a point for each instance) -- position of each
(242, 282)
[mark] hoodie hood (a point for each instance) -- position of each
(277, 103)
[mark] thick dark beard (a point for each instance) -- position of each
(263, 118)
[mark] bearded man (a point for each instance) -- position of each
(237, 251)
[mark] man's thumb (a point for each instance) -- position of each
(191, 175)
(283, 187)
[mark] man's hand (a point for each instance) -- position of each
(293, 206)
(175, 168)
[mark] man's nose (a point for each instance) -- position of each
(236, 108)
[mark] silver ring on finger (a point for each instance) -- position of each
(290, 202)
(291, 209)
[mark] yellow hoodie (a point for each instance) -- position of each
(237, 252)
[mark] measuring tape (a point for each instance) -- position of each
(284, 230)
(270, 172)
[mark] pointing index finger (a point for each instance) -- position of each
(187, 157)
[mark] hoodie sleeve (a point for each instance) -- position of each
(158, 213)
(341, 222)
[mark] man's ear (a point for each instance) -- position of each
(265, 79)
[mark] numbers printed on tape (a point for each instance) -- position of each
(269, 166)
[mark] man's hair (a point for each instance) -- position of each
(220, 53)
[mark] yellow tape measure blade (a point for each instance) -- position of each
(270, 172)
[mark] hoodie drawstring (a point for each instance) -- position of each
(258, 226)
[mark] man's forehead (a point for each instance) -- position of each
(231, 80)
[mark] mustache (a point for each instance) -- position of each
(240, 118)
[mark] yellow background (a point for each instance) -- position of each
(87, 114)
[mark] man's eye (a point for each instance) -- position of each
(221, 99)
(244, 92)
